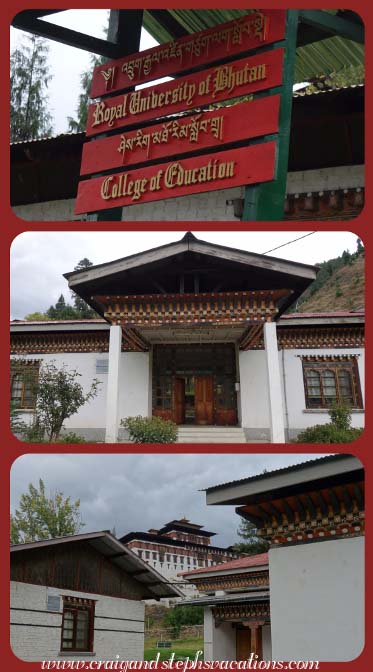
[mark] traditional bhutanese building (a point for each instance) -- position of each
(197, 333)
(313, 516)
(80, 597)
(236, 601)
(176, 547)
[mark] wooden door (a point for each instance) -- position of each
(179, 400)
(203, 400)
(243, 644)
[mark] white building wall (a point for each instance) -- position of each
(135, 387)
(220, 642)
(266, 642)
(134, 394)
(254, 394)
(317, 600)
(298, 417)
(36, 632)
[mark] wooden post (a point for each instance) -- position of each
(124, 29)
(265, 202)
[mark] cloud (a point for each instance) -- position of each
(38, 260)
(134, 492)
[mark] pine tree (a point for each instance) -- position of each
(80, 123)
(253, 544)
(29, 78)
(62, 311)
(84, 311)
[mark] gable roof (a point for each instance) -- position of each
(110, 547)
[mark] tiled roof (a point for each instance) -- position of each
(241, 563)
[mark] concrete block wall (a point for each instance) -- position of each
(209, 206)
(36, 632)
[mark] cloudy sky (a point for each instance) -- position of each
(67, 63)
(137, 492)
(38, 260)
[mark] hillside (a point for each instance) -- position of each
(340, 285)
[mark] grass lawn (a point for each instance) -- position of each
(183, 648)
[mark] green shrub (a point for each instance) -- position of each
(339, 430)
(340, 415)
(150, 430)
(71, 437)
(328, 433)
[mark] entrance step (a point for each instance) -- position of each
(209, 434)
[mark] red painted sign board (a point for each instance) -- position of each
(181, 136)
(221, 170)
(242, 77)
(192, 51)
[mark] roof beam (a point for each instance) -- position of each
(332, 25)
(28, 22)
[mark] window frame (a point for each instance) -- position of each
(75, 606)
(320, 366)
(28, 371)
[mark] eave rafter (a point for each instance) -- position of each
(332, 512)
(186, 309)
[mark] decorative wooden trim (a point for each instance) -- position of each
(331, 513)
(293, 338)
(238, 612)
(87, 341)
(215, 308)
(244, 580)
(339, 203)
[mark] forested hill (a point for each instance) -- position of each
(339, 285)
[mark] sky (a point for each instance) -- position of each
(67, 63)
(39, 259)
(136, 492)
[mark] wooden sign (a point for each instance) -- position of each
(192, 51)
(239, 78)
(230, 168)
(181, 136)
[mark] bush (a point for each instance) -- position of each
(340, 416)
(71, 437)
(150, 430)
(328, 433)
(339, 430)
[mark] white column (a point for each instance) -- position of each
(276, 411)
(112, 399)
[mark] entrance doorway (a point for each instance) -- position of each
(193, 400)
(195, 384)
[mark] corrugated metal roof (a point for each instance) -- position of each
(283, 470)
(332, 54)
(354, 313)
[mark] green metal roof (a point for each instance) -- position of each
(331, 54)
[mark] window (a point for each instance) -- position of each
(77, 624)
(331, 380)
(23, 378)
